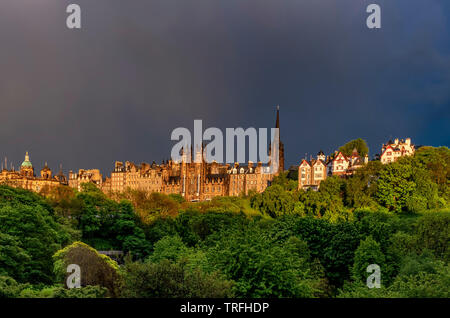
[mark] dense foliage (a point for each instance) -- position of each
(280, 243)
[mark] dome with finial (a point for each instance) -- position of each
(26, 163)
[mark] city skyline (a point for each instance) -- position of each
(115, 89)
(8, 164)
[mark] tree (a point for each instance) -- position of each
(9, 288)
(126, 228)
(322, 202)
(64, 201)
(108, 225)
(286, 180)
(167, 279)
(368, 252)
(437, 162)
(151, 206)
(12, 257)
(274, 201)
(262, 267)
(359, 144)
(424, 284)
(359, 190)
(32, 229)
(96, 269)
(169, 247)
(395, 186)
(433, 233)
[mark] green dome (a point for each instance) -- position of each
(26, 163)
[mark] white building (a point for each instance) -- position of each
(392, 150)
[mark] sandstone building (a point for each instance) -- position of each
(195, 180)
(311, 173)
(92, 175)
(26, 178)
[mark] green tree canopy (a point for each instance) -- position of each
(262, 267)
(368, 252)
(31, 231)
(274, 201)
(96, 269)
(359, 144)
(167, 279)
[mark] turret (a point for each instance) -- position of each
(46, 173)
(321, 156)
(408, 141)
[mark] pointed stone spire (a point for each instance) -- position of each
(277, 123)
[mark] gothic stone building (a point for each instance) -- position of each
(195, 180)
(26, 179)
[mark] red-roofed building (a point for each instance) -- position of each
(392, 150)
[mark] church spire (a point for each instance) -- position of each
(277, 124)
(280, 144)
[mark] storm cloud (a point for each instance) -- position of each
(115, 89)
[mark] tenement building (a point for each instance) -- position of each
(83, 176)
(311, 173)
(194, 179)
(26, 178)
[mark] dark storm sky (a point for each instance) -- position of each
(115, 89)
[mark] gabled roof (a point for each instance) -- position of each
(304, 161)
(314, 162)
(385, 149)
(358, 162)
(338, 155)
